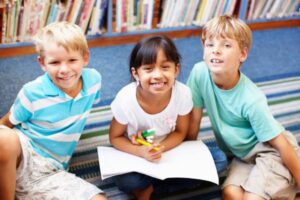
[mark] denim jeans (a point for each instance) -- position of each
(219, 157)
(136, 181)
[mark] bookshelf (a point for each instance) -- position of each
(114, 36)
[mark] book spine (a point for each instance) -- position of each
(243, 9)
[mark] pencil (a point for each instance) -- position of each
(146, 143)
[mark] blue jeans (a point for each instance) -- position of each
(219, 157)
(136, 181)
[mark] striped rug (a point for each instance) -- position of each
(284, 101)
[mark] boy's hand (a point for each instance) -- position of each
(5, 121)
(289, 156)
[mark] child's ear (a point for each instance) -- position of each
(42, 63)
(86, 59)
(244, 54)
(134, 73)
(177, 68)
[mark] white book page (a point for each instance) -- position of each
(191, 159)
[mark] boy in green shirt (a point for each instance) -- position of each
(265, 162)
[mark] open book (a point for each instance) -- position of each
(191, 159)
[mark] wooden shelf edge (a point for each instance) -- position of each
(16, 51)
(274, 24)
(127, 39)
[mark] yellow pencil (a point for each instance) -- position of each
(146, 143)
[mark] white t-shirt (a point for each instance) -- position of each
(127, 111)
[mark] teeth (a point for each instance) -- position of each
(216, 61)
(64, 77)
(158, 83)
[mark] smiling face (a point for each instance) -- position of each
(223, 56)
(226, 42)
(158, 78)
(64, 67)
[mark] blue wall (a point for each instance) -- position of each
(274, 54)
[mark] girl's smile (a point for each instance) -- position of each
(157, 78)
(158, 85)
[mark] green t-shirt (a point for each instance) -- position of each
(240, 116)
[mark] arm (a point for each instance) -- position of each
(121, 142)
(288, 155)
(194, 126)
(5, 121)
(177, 136)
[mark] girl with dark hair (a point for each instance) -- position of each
(155, 100)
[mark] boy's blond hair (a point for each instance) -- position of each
(228, 26)
(70, 36)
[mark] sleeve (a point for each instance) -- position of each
(118, 110)
(262, 121)
(193, 83)
(186, 102)
(99, 85)
(21, 110)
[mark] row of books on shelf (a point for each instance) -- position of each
(133, 15)
(20, 19)
(267, 9)
(197, 12)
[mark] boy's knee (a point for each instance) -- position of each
(99, 197)
(10, 147)
(232, 193)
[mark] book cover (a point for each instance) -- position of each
(103, 14)
(85, 14)
(52, 13)
(2, 23)
(243, 9)
(75, 11)
(284, 8)
(252, 7)
(165, 10)
(156, 13)
(259, 8)
(231, 7)
(190, 159)
(219, 9)
(32, 18)
(8, 35)
(266, 8)
(97, 18)
(170, 12)
(225, 6)
(174, 21)
(192, 12)
(293, 8)
(274, 10)
(206, 12)
(150, 7)
(200, 13)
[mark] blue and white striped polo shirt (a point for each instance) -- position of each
(52, 120)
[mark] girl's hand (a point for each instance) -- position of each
(149, 153)
(152, 153)
(133, 138)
